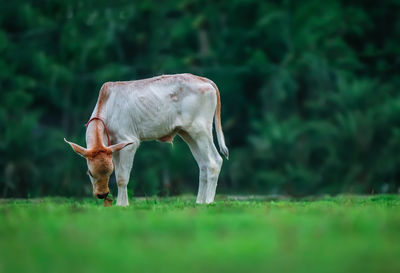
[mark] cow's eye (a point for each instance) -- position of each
(89, 173)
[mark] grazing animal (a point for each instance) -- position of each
(158, 108)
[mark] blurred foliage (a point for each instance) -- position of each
(310, 90)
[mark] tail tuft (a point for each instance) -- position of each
(225, 152)
(217, 122)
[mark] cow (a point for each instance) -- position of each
(158, 108)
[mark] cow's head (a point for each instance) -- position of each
(100, 165)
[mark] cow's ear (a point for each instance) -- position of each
(119, 146)
(78, 149)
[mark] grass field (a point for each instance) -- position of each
(340, 234)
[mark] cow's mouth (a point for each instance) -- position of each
(102, 195)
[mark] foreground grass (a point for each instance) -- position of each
(342, 234)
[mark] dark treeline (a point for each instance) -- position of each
(310, 91)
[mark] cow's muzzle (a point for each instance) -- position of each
(102, 195)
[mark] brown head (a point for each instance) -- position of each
(100, 165)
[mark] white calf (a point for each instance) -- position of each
(158, 108)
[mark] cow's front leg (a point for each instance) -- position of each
(123, 161)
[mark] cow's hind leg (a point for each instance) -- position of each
(213, 165)
(123, 161)
(201, 194)
(209, 161)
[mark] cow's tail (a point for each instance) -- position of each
(217, 122)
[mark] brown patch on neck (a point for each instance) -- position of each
(101, 101)
(99, 135)
(103, 96)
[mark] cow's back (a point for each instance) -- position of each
(152, 108)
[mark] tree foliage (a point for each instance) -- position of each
(310, 90)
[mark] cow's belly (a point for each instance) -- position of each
(159, 130)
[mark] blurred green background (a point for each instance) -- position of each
(309, 89)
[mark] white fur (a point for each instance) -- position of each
(151, 109)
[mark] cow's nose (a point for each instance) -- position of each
(102, 196)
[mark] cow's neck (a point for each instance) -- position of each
(94, 134)
(95, 131)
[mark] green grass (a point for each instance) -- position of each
(341, 234)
